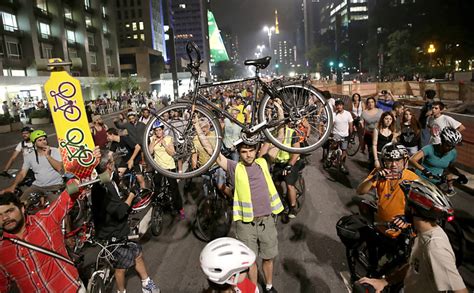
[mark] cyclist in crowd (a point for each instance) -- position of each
(239, 105)
(438, 159)
(135, 129)
(30, 269)
(432, 264)
(397, 113)
(110, 215)
(425, 113)
(99, 131)
(390, 198)
(25, 146)
(226, 262)
(256, 202)
(357, 107)
(126, 147)
(371, 116)
(342, 129)
(384, 133)
(410, 135)
(162, 149)
(438, 121)
(385, 101)
(145, 116)
(46, 163)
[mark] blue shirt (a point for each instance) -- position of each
(435, 164)
(385, 106)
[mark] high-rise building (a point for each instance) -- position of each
(33, 30)
(231, 43)
(285, 54)
(142, 38)
(190, 23)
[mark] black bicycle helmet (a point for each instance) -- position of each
(394, 152)
(27, 129)
(426, 199)
(450, 136)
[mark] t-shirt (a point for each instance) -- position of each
(25, 147)
(438, 124)
(45, 174)
(408, 137)
(203, 156)
(371, 120)
(231, 133)
(432, 264)
(160, 154)
(125, 148)
(341, 123)
(391, 199)
(435, 163)
(258, 187)
(385, 106)
(240, 116)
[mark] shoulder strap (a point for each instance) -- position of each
(40, 249)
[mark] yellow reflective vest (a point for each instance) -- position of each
(284, 156)
(243, 209)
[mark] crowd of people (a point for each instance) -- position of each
(392, 137)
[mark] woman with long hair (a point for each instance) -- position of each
(383, 134)
(410, 135)
(370, 116)
(357, 108)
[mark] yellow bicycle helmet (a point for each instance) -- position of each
(37, 134)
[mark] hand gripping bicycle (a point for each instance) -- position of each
(298, 100)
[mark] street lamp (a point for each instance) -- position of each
(260, 48)
(269, 31)
(431, 50)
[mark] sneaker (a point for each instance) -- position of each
(344, 170)
(450, 192)
(292, 212)
(271, 290)
(182, 215)
(150, 287)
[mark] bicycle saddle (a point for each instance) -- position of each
(261, 63)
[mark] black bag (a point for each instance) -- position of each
(348, 229)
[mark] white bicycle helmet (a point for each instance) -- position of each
(426, 199)
(225, 257)
(394, 151)
(450, 136)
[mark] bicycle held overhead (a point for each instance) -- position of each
(301, 103)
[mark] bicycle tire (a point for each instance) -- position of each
(75, 112)
(456, 238)
(156, 224)
(353, 144)
(96, 284)
(213, 218)
(184, 140)
(300, 193)
(299, 101)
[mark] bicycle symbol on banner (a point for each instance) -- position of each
(75, 150)
(66, 91)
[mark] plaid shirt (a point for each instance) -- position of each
(34, 271)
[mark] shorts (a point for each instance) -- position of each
(344, 141)
(125, 255)
(260, 235)
(291, 178)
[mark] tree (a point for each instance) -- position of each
(225, 70)
(319, 58)
(400, 53)
(110, 84)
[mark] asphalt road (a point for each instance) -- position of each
(311, 257)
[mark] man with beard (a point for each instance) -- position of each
(25, 147)
(256, 204)
(31, 270)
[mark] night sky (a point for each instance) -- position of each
(246, 18)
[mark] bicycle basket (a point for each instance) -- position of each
(348, 229)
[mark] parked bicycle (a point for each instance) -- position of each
(332, 154)
(353, 144)
(300, 186)
(299, 101)
(214, 212)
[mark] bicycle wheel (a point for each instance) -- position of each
(306, 112)
(156, 225)
(190, 158)
(300, 193)
(213, 218)
(353, 144)
(96, 284)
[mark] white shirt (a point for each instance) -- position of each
(438, 124)
(341, 123)
(25, 147)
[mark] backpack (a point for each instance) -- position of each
(348, 229)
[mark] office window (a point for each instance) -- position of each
(132, 3)
(93, 58)
(72, 53)
(9, 22)
(91, 39)
(140, 25)
(45, 31)
(182, 6)
(108, 60)
(134, 26)
(106, 44)
(67, 12)
(125, 14)
(42, 4)
(70, 36)
(18, 72)
(6, 72)
(105, 29)
(142, 37)
(47, 51)
(104, 11)
(132, 13)
(87, 3)
(118, 3)
(119, 15)
(2, 52)
(140, 13)
(13, 50)
(88, 21)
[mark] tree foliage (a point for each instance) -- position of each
(400, 53)
(319, 58)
